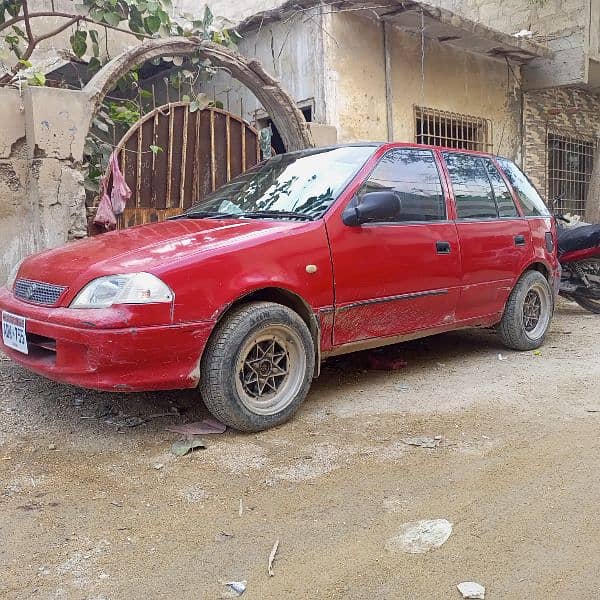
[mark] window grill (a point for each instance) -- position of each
(452, 130)
(570, 164)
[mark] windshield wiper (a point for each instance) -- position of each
(276, 213)
(205, 214)
(257, 214)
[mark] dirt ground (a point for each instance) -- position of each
(91, 508)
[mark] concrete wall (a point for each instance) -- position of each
(450, 80)
(41, 186)
(571, 28)
(510, 16)
(564, 25)
(17, 234)
(289, 50)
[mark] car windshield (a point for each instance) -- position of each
(298, 185)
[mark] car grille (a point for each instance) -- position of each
(37, 291)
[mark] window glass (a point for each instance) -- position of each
(303, 183)
(504, 199)
(413, 174)
(472, 190)
(531, 201)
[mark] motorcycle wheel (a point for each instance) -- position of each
(592, 305)
(591, 267)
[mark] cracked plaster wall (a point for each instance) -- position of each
(444, 78)
(42, 199)
(289, 50)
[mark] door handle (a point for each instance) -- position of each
(520, 240)
(442, 247)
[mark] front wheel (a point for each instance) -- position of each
(257, 367)
(527, 314)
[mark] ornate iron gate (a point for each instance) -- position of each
(172, 158)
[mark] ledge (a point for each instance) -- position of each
(440, 24)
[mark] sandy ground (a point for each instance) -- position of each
(88, 512)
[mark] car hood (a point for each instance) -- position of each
(148, 248)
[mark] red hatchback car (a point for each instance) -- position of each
(308, 255)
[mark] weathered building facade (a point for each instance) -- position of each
(447, 71)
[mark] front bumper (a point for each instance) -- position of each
(131, 359)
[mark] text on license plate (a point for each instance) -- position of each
(13, 332)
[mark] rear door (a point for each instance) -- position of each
(495, 240)
(400, 276)
(541, 223)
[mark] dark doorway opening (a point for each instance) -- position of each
(276, 141)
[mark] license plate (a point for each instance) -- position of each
(13, 332)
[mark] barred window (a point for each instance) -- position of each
(570, 164)
(452, 130)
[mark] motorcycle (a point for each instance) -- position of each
(579, 256)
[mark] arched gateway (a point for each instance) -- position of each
(282, 109)
(199, 150)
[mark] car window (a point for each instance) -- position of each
(472, 190)
(531, 202)
(504, 199)
(304, 183)
(414, 175)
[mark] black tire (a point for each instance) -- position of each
(588, 303)
(591, 267)
(516, 328)
(229, 383)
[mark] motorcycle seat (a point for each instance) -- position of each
(578, 238)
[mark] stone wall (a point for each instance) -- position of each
(571, 112)
(41, 185)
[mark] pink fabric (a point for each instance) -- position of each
(105, 215)
(120, 192)
(111, 206)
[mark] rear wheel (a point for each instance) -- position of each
(588, 303)
(257, 367)
(527, 313)
(591, 268)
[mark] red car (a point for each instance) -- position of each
(309, 255)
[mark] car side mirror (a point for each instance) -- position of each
(373, 207)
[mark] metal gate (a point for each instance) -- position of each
(173, 157)
(570, 163)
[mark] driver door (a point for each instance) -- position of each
(401, 276)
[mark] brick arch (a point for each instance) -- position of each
(282, 109)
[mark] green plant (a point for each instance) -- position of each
(142, 18)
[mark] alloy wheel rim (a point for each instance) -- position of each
(536, 311)
(270, 370)
(532, 308)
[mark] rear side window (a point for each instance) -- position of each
(413, 174)
(531, 201)
(472, 189)
(504, 199)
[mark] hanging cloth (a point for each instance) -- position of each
(111, 206)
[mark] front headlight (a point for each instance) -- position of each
(13, 274)
(133, 288)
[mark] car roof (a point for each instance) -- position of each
(390, 145)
